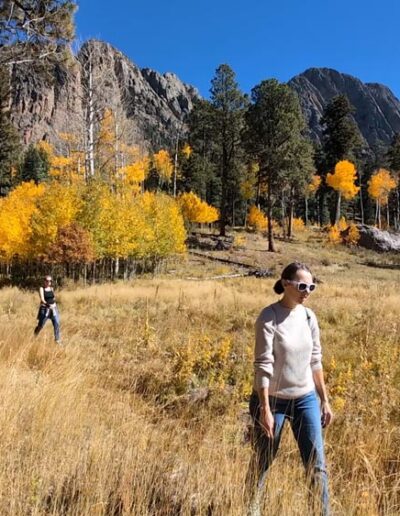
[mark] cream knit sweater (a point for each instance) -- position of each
(287, 350)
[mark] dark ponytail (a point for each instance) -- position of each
(278, 287)
(288, 273)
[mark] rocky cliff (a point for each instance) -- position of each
(151, 107)
(377, 110)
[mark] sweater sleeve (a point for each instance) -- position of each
(316, 356)
(263, 355)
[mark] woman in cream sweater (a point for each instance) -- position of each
(288, 378)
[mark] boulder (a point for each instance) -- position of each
(378, 240)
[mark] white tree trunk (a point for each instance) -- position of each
(90, 126)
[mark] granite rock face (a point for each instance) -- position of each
(151, 106)
(377, 110)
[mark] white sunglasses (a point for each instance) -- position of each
(302, 286)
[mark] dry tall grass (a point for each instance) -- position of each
(142, 411)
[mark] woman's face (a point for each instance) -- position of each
(47, 281)
(292, 293)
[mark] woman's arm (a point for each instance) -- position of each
(318, 373)
(41, 294)
(266, 416)
(326, 411)
(264, 349)
(264, 366)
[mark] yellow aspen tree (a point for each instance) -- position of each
(256, 219)
(163, 165)
(186, 151)
(379, 187)
(64, 168)
(106, 152)
(47, 148)
(315, 184)
(58, 208)
(109, 218)
(73, 150)
(164, 233)
(16, 211)
(195, 210)
(343, 181)
(90, 217)
(135, 174)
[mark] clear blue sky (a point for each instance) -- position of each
(258, 39)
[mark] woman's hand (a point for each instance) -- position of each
(267, 421)
(326, 414)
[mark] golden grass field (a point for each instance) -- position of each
(143, 410)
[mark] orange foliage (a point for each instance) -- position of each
(343, 233)
(353, 235)
(257, 219)
(298, 225)
(72, 245)
(334, 236)
(195, 210)
(343, 179)
(16, 212)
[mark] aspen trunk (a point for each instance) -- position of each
(306, 209)
(271, 244)
(338, 203)
(90, 149)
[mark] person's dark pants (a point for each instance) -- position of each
(46, 313)
(305, 420)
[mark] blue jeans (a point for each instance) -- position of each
(304, 416)
(46, 313)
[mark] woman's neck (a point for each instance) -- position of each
(288, 303)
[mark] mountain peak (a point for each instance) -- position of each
(377, 110)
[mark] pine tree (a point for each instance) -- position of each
(341, 140)
(215, 126)
(35, 166)
(199, 172)
(341, 135)
(274, 138)
(299, 171)
(35, 32)
(227, 103)
(9, 139)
